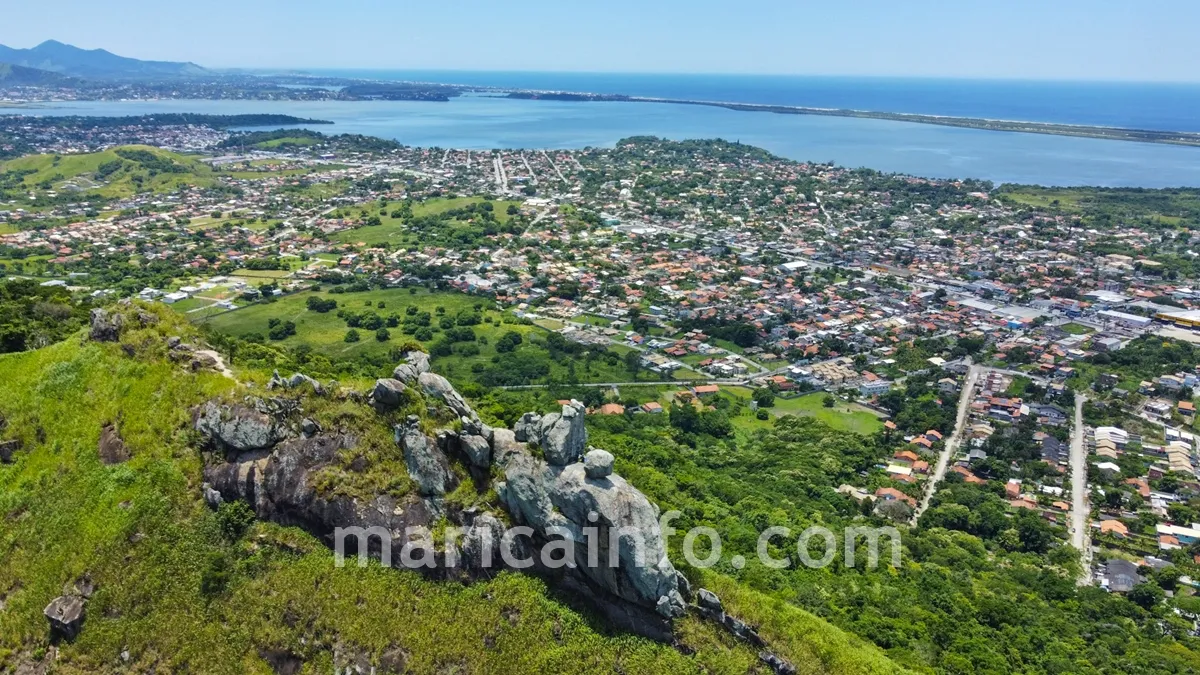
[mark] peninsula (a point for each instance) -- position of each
(1054, 129)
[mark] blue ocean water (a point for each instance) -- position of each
(1159, 106)
(486, 122)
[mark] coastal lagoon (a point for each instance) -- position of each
(484, 122)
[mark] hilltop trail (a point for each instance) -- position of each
(221, 366)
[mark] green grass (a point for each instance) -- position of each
(394, 231)
(843, 416)
(287, 141)
(8, 228)
(66, 514)
(1043, 198)
(1075, 329)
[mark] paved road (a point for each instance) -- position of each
(640, 383)
(952, 443)
(533, 180)
(1080, 509)
(553, 166)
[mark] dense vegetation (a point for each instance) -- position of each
(33, 316)
(979, 591)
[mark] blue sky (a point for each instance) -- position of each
(1024, 39)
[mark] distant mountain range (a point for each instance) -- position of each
(68, 60)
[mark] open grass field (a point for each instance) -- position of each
(393, 230)
(8, 228)
(1075, 329)
(326, 332)
(108, 174)
(843, 416)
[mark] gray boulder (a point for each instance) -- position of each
(309, 427)
(436, 386)
(709, 600)
(598, 464)
(543, 496)
(105, 327)
(237, 428)
(388, 393)
(528, 428)
(563, 435)
(296, 381)
(477, 428)
(505, 445)
(66, 615)
(415, 365)
(211, 496)
(427, 465)
(203, 361)
(476, 449)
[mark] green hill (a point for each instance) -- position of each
(181, 588)
(14, 75)
(114, 173)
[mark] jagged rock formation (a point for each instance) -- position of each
(105, 327)
(578, 506)
(427, 464)
(296, 381)
(415, 364)
(438, 387)
(237, 428)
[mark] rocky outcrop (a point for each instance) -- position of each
(576, 506)
(438, 387)
(112, 449)
(477, 450)
(528, 428)
(710, 607)
(65, 614)
(562, 435)
(388, 393)
(7, 449)
(427, 464)
(238, 428)
(296, 381)
(620, 522)
(105, 326)
(415, 365)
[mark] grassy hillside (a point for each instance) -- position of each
(114, 173)
(178, 592)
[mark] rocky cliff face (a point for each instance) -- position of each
(269, 454)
